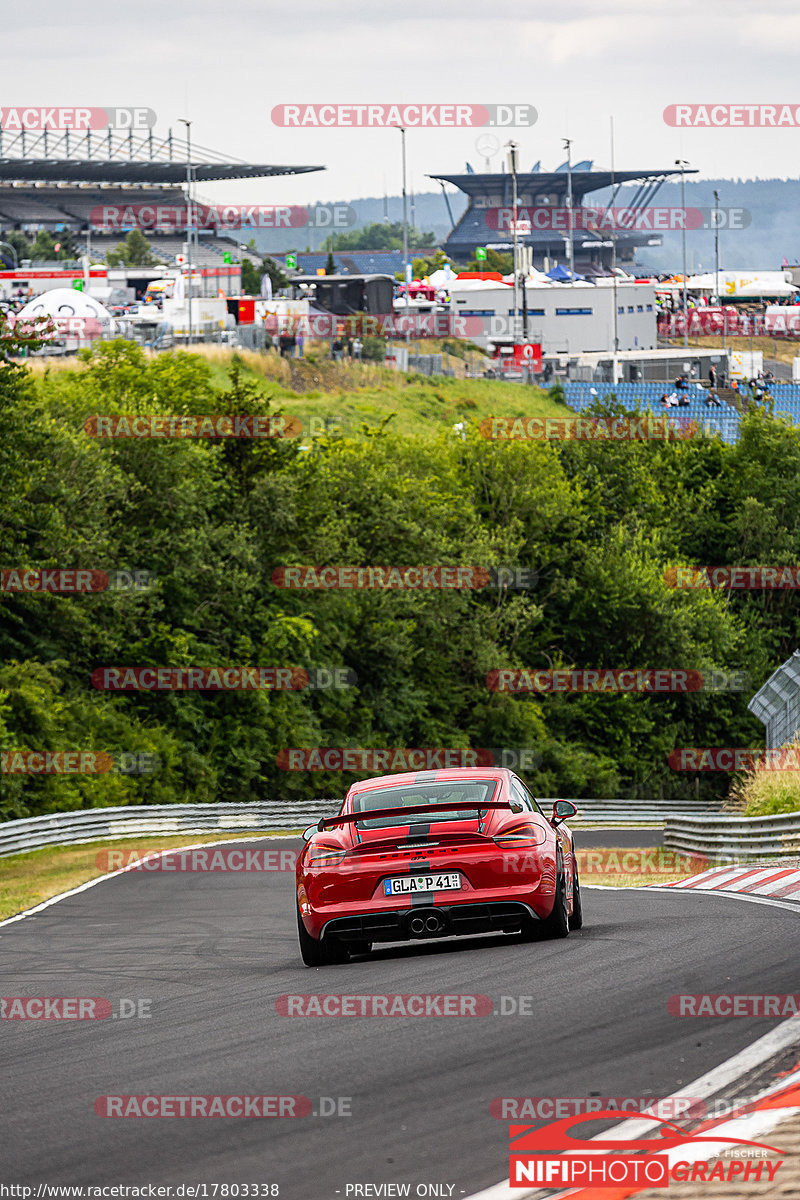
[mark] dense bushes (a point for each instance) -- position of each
(212, 520)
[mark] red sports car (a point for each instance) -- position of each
(432, 854)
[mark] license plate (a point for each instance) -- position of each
(406, 885)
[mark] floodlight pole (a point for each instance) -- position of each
(571, 242)
(682, 163)
(512, 166)
(189, 220)
(405, 229)
(716, 246)
(614, 262)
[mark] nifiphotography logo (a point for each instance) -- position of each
(552, 1157)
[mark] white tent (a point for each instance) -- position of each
(742, 285)
(65, 302)
(758, 290)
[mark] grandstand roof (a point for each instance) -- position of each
(551, 181)
(105, 171)
(120, 158)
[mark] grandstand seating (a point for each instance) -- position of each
(724, 420)
(359, 262)
(786, 400)
(207, 253)
(785, 397)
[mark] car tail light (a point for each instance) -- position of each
(325, 856)
(526, 834)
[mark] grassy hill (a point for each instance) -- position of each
(344, 396)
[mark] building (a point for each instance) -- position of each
(566, 319)
(70, 182)
(543, 217)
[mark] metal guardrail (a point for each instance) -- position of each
(734, 837)
(149, 820)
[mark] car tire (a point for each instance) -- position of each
(576, 920)
(557, 924)
(317, 952)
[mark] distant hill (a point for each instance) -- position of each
(772, 234)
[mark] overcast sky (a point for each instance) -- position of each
(226, 64)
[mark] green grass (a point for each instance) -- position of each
(349, 395)
(29, 879)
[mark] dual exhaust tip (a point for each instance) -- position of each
(430, 924)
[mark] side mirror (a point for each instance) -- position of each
(561, 810)
(308, 832)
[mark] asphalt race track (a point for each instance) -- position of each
(213, 951)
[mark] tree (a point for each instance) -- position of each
(251, 276)
(251, 279)
(67, 246)
(426, 266)
(494, 261)
(330, 265)
(379, 236)
(374, 349)
(43, 247)
(270, 267)
(133, 252)
(21, 244)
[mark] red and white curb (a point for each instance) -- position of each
(782, 883)
(770, 1108)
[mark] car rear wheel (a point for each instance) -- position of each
(576, 920)
(317, 952)
(557, 924)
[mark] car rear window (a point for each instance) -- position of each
(445, 795)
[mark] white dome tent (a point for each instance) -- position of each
(78, 318)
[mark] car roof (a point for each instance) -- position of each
(440, 775)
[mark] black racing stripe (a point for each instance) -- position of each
(421, 899)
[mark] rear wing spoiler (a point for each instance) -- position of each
(411, 810)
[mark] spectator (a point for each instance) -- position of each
(358, 347)
(712, 375)
(349, 347)
(300, 342)
(712, 400)
(336, 350)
